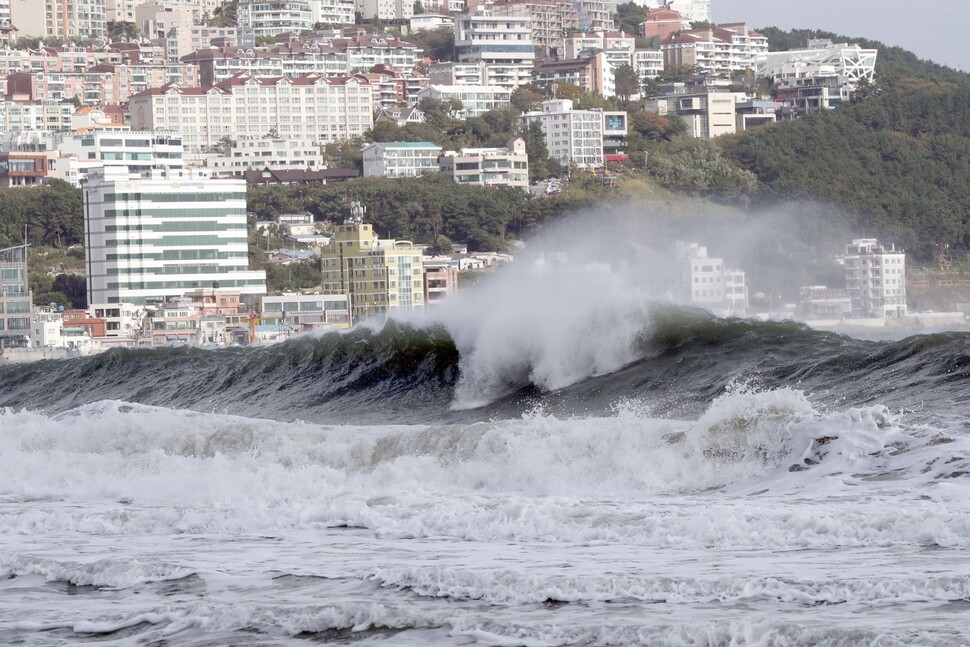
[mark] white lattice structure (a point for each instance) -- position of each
(851, 63)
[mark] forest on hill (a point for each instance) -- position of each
(895, 163)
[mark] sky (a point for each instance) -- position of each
(935, 30)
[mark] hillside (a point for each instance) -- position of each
(896, 164)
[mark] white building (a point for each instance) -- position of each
(596, 14)
(400, 159)
(44, 115)
(649, 63)
(475, 99)
(572, 136)
(151, 239)
(330, 109)
(332, 12)
(706, 281)
(78, 154)
(385, 9)
(506, 41)
(272, 17)
(723, 50)
(252, 153)
(875, 277)
(307, 311)
(120, 319)
(821, 59)
(431, 21)
(707, 114)
(501, 75)
(577, 43)
(507, 166)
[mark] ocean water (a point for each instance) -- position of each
(551, 461)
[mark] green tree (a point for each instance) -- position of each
(119, 31)
(627, 80)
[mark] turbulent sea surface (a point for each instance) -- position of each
(607, 471)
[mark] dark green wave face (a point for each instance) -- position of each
(682, 359)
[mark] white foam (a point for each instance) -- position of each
(113, 468)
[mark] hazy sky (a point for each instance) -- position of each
(937, 30)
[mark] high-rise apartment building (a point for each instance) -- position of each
(377, 275)
(572, 136)
(272, 17)
(15, 297)
(875, 277)
(548, 19)
(483, 37)
(329, 109)
(150, 239)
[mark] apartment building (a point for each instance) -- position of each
(548, 19)
(440, 279)
(377, 275)
(139, 152)
(506, 41)
(332, 12)
(572, 136)
(508, 166)
(326, 109)
(217, 64)
(475, 99)
(574, 45)
(596, 14)
(494, 74)
(44, 115)
(101, 84)
(648, 63)
(181, 41)
(304, 312)
(150, 239)
(15, 297)
(400, 159)
(699, 279)
(396, 10)
(723, 50)
(268, 18)
(364, 52)
(67, 19)
(707, 114)
(251, 153)
(875, 278)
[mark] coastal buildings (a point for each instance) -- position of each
(153, 238)
(506, 41)
(139, 152)
(723, 49)
(234, 158)
(706, 281)
(15, 297)
(574, 136)
(267, 18)
(400, 159)
(475, 99)
(875, 278)
(329, 109)
(302, 312)
(508, 166)
(707, 114)
(820, 59)
(548, 19)
(376, 274)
